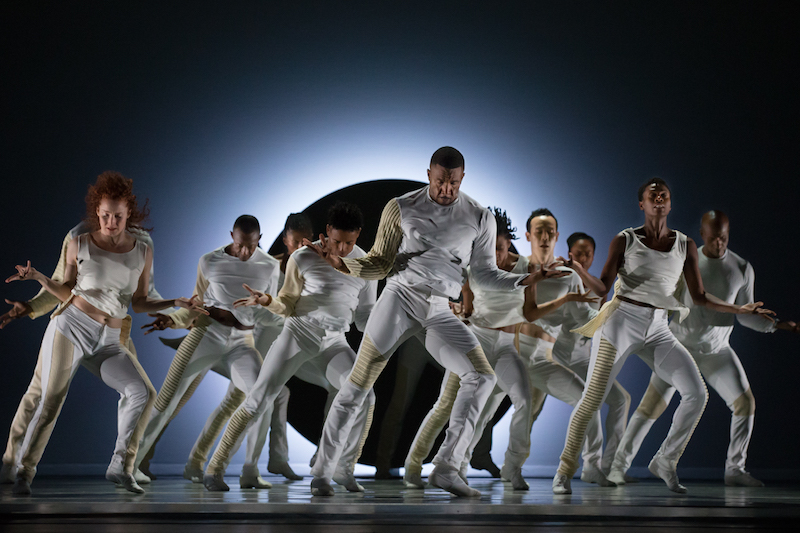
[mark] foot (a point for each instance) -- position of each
(562, 484)
(251, 479)
(215, 483)
(22, 487)
(321, 487)
(8, 474)
(382, 473)
(615, 475)
(413, 480)
(742, 479)
(514, 476)
(347, 480)
(193, 473)
(485, 462)
(140, 477)
(448, 479)
(591, 474)
(283, 469)
(124, 480)
(659, 467)
(144, 467)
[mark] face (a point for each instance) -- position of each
(294, 240)
(582, 251)
(244, 244)
(656, 201)
(340, 241)
(502, 246)
(542, 236)
(444, 183)
(112, 216)
(715, 237)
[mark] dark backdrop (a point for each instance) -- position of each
(217, 109)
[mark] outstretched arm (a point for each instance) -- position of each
(142, 303)
(602, 285)
(59, 289)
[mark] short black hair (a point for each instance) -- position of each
(504, 227)
(299, 223)
(448, 157)
(247, 224)
(541, 212)
(575, 237)
(648, 183)
(345, 216)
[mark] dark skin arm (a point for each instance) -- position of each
(602, 285)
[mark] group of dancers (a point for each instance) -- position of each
(500, 323)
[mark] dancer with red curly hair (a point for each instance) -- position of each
(105, 271)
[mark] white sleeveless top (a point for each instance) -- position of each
(107, 280)
(650, 276)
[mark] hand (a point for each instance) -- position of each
(570, 262)
(546, 272)
(583, 297)
(161, 322)
(226, 318)
(786, 325)
(18, 310)
(255, 298)
(23, 273)
(192, 304)
(324, 251)
(756, 309)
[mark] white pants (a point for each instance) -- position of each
(302, 343)
(644, 331)
(72, 339)
(562, 383)
(398, 314)
(724, 372)
(618, 402)
(216, 346)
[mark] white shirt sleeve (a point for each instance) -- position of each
(745, 296)
(366, 301)
(483, 263)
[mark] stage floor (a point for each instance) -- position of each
(83, 504)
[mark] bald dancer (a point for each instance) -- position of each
(706, 334)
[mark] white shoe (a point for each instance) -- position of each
(742, 479)
(615, 475)
(215, 483)
(321, 487)
(348, 481)
(562, 484)
(283, 469)
(141, 478)
(666, 472)
(193, 473)
(8, 474)
(413, 480)
(591, 474)
(514, 476)
(124, 480)
(447, 478)
(251, 479)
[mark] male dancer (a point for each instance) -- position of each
(319, 304)
(218, 339)
(425, 241)
(573, 350)
(706, 335)
(39, 305)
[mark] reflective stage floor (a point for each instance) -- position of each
(91, 504)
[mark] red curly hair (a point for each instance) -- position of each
(115, 186)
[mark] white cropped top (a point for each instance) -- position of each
(107, 280)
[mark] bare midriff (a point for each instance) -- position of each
(636, 302)
(531, 330)
(96, 314)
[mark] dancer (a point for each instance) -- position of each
(425, 241)
(493, 318)
(219, 339)
(105, 271)
(649, 261)
(573, 350)
(319, 304)
(42, 303)
(706, 334)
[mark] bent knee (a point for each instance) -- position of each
(744, 405)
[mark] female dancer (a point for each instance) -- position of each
(106, 270)
(649, 261)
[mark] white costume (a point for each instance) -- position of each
(106, 280)
(424, 248)
(320, 303)
(621, 329)
(210, 344)
(706, 333)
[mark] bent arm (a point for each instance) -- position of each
(44, 301)
(745, 296)
(483, 261)
(366, 301)
(602, 286)
(378, 263)
(286, 300)
(694, 283)
(143, 303)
